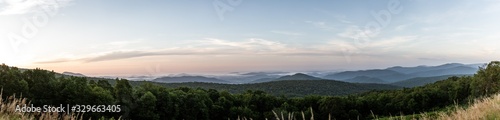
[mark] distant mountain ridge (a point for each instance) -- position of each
(421, 68)
(401, 76)
(446, 71)
(296, 76)
(398, 73)
(365, 79)
(421, 81)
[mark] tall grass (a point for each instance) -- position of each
(482, 109)
(487, 108)
(8, 111)
(291, 116)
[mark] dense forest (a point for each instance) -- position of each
(151, 101)
(289, 88)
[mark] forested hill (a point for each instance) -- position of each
(154, 102)
(421, 81)
(291, 88)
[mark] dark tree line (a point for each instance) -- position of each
(150, 101)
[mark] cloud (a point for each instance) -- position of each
(208, 46)
(356, 33)
(372, 47)
(321, 25)
(117, 44)
(431, 59)
(119, 55)
(248, 47)
(126, 54)
(392, 42)
(340, 17)
(58, 60)
(252, 46)
(15, 7)
(343, 19)
(287, 33)
(402, 27)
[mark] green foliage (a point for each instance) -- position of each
(152, 101)
(123, 96)
(146, 107)
(486, 81)
(290, 88)
(421, 81)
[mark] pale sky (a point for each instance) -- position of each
(137, 37)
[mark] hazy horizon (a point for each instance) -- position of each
(113, 37)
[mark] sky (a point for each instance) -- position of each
(138, 37)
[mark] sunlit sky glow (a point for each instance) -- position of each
(132, 37)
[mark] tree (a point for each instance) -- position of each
(11, 81)
(105, 85)
(146, 107)
(487, 80)
(123, 95)
(100, 96)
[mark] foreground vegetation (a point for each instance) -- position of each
(8, 111)
(488, 108)
(150, 101)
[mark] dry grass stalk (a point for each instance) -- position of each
(312, 114)
(488, 108)
(8, 111)
(282, 117)
(303, 116)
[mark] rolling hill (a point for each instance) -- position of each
(298, 76)
(183, 79)
(421, 81)
(398, 73)
(291, 88)
(368, 73)
(385, 75)
(239, 78)
(422, 68)
(446, 71)
(263, 80)
(365, 79)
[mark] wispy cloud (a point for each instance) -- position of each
(402, 27)
(58, 60)
(123, 54)
(252, 46)
(287, 33)
(356, 33)
(393, 42)
(13, 7)
(340, 17)
(373, 47)
(343, 19)
(117, 44)
(321, 25)
(208, 46)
